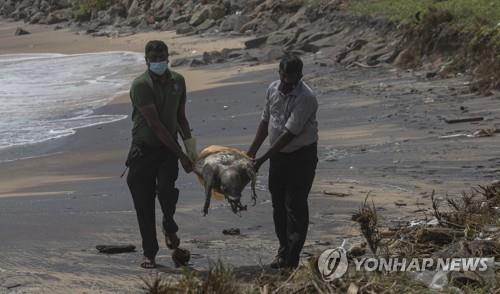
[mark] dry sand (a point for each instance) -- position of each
(380, 131)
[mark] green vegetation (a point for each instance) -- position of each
(467, 13)
(430, 25)
(83, 8)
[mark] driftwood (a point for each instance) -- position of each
(114, 249)
(461, 120)
(438, 235)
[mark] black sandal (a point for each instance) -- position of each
(172, 241)
(148, 263)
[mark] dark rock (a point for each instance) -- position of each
(59, 16)
(104, 19)
(213, 57)
(7, 9)
(179, 62)
(373, 58)
(37, 17)
(430, 75)
(233, 23)
(91, 31)
(353, 46)
(255, 43)
(270, 54)
(83, 17)
(279, 38)
(312, 36)
(231, 53)
(163, 14)
(299, 18)
(231, 232)
(236, 5)
(197, 62)
(206, 25)
(143, 25)
(263, 24)
(20, 31)
(117, 10)
(134, 9)
(248, 57)
(202, 14)
(216, 12)
(181, 19)
(309, 48)
(183, 28)
(133, 21)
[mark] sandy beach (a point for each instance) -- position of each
(380, 132)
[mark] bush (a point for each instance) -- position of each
(82, 9)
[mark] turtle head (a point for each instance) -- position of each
(232, 182)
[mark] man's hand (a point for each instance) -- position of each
(257, 163)
(186, 163)
(251, 154)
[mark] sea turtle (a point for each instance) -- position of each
(226, 171)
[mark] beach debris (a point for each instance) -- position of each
(357, 251)
(368, 221)
(476, 134)
(20, 32)
(463, 226)
(428, 100)
(437, 235)
(181, 256)
(231, 232)
(461, 120)
(433, 222)
(337, 194)
(114, 249)
(433, 280)
(400, 203)
(353, 289)
(226, 107)
(11, 285)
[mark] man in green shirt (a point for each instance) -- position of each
(158, 99)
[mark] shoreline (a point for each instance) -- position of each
(36, 43)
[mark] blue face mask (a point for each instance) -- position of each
(158, 68)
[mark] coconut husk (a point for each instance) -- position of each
(181, 257)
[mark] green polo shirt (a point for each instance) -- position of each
(166, 96)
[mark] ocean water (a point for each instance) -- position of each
(47, 96)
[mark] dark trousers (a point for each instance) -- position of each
(154, 174)
(290, 179)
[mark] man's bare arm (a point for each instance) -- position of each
(260, 136)
(284, 139)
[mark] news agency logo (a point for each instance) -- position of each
(333, 264)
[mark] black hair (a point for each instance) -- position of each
(291, 64)
(156, 45)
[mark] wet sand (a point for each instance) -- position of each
(380, 131)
